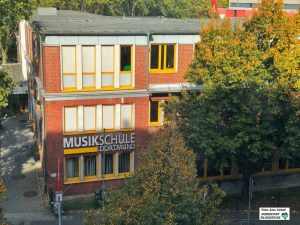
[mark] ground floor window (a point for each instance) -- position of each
(108, 164)
(90, 166)
(72, 167)
(124, 163)
(98, 166)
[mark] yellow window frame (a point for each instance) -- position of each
(69, 74)
(72, 179)
(126, 174)
(109, 87)
(70, 132)
(131, 117)
(91, 177)
(163, 68)
(158, 123)
(95, 124)
(127, 72)
(110, 175)
(90, 73)
(114, 119)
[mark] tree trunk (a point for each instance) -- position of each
(4, 56)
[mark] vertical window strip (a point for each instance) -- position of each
(69, 67)
(88, 66)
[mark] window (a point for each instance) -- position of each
(108, 164)
(125, 66)
(88, 66)
(162, 58)
(70, 119)
(124, 162)
(89, 118)
(126, 116)
(108, 117)
(72, 167)
(69, 67)
(90, 166)
(154, 113)
(107, 66)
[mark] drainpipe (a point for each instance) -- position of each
(147, 63)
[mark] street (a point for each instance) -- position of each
(19, 162)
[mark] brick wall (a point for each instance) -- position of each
(51, 56)
(185, 56)
(54, 138)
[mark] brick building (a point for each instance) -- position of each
(97, 88)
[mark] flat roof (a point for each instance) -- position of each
(70, 22)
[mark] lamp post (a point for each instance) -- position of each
(250, 196)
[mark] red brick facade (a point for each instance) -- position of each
(53, 112)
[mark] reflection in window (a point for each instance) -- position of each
(154, 56)
(154, 112)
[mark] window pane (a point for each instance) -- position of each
(108, 117)
(126, 116)
(89, 118)
(125, 58)
(69, 81)
(107, 80)
(107, 58)
(124, 163)
(170, 56)
(88, 81)
(90, 165)
(162, 55)
(107, 164)
(154, 111)
(88, 59)
(72, 167)
(125, 79)
(70, 119)
(68, 59)
(154, 56)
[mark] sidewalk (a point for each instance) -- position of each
(22, 203)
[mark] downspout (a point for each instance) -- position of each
(147, 63)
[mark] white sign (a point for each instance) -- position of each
(275, 213)
(58, 197)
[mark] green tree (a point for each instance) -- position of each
(164, 189)
(168, 8)
(11, 12)
(248, 108)
(6, 85)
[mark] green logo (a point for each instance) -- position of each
(285, 215)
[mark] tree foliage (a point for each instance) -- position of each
(168, 8)
(11, 12)
(6, 85)
(249, 106)
(164, 189)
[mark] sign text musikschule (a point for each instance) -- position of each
(105, 142)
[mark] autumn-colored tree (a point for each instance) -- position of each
(164, 189)
(249, 106)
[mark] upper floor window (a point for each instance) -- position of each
(107, 66)
(156, 112)
(69, 67)
(107, 118)
(125, 66)
(88, 67)
(162, 58)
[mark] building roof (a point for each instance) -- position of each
(69, 22)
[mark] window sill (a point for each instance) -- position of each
(96, 179)
(155, 125)
(95, 89)
(98, 132)
(163, 71)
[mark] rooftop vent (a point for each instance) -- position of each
(47, 11)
